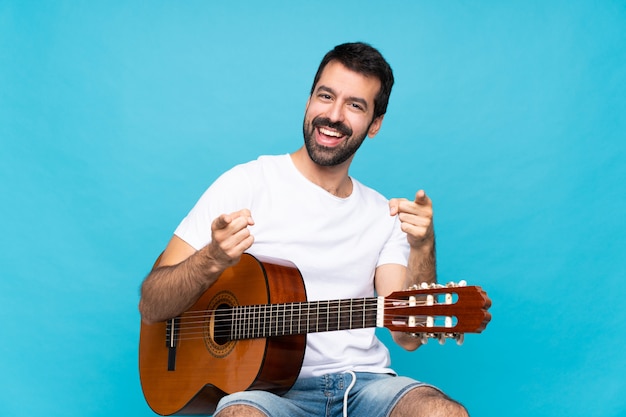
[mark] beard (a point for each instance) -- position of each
(330, 156)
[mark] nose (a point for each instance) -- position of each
(335, 112)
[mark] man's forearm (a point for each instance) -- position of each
(170, 290)
(422, 265)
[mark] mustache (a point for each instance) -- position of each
(326, 122)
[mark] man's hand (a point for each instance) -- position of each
(407, 341)
(230, 237)
(183, 273)
(416, 218)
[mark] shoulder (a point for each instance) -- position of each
(369, 194)
(253, 169)
(253, 176)
(263, 162)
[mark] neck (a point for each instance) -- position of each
(334, 179)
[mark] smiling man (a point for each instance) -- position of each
(347, 240)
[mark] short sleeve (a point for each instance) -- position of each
(396, 249)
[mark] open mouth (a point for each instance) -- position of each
(329, 133)
(328, 137)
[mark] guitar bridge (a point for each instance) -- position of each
(172, 330)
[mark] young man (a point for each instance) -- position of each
(346, 239)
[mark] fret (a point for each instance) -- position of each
(327, 315)
(270, 320)
(357, 314)
(245, 325)
(333, 316)
(307, 317)
(344, 319)
(371, 313)
(264, 321)
(317, 317)
(277, 319)
(253, 321)
(363, 313)
(267, 320)
(249, 322)
(339, 315)
(351, 311)
(251, 316)
(247, 330)
(292, 307)
(299, 317)
(288, 314)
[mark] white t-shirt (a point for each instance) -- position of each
(336, 243)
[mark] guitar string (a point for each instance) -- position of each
(357, 304)
(255, 324)
(200, 331)
(296, 310)
(262, 312)
(196, 333)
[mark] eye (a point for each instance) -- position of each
(325, 96)
(356, 106)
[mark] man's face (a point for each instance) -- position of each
(339, 114)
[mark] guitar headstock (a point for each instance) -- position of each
(438, 311)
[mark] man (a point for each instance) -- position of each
(346, 239)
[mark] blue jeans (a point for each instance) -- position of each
(373, 395)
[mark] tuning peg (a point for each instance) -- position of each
(452, 284)
(442, 338)
(460, 338)
(423, 337)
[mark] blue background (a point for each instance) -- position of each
(115, 116)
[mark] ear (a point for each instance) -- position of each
(375, 126)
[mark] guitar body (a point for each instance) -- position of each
(192, 377)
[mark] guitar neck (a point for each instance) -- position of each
(259, 321)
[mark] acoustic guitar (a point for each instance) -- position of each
(248, 331)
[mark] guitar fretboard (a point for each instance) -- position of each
(266, 320)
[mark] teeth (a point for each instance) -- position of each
(330, 132)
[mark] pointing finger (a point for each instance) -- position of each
(421, 198)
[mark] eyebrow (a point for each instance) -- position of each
(359, 100)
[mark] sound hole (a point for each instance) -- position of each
(217, 326)
(222, 324)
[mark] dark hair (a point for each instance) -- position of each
(362, 58)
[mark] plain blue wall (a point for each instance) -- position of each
(114, 117)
